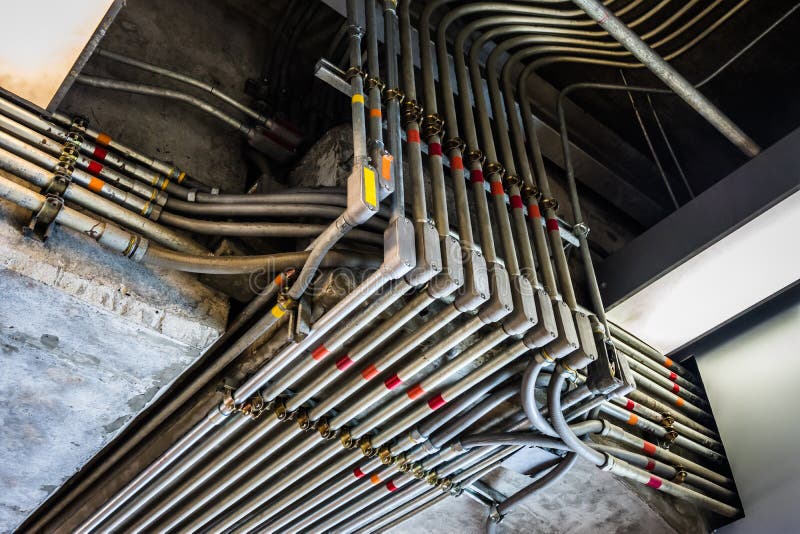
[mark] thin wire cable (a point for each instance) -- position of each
(749, 46)
(652, 148)
(667, 142)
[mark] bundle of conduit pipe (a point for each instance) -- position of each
(363, 423)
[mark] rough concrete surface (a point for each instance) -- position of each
(587, 500)
(213, 43)
(87, 339)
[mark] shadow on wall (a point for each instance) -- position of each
(750, 369)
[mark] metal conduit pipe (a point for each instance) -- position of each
(119, 58)
(417, 435)
(163, 92)
(664, 434)
(668, 75)
(316, 513)
(95, 151)
(277, 464)
(360, 294)
(651, 353)
(376, 441)
(453, 460)
(278, 210)
(394, 127)
(666, 419)
(653, 367)
(35, 174)
(101, 139)
(45, 144)
(212, 468)
(667, 471)
(615, 466)
(530, 68)
(419, 503)
(502, 126)
(262, 229)
(641, 399)
(188, 390)
(669, 396)
(552, 477)
(141, 250)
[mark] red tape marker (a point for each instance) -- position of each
(413, 136)
(95, 168)
(515, 201)
(457, 163)
(344, 362)
(533, 212)
(476, 176)
(415, 392)
(358, 473)
(435, 149)
(390, 486)
(320, 352)
(648, 448)
(630, 405)
(436, 402)
(392, 382)
(654, 482)
(651, 464)
(369, 372)
(676, 388)
(100, 153)
(552, 225)
(497, 188)
(672, 376)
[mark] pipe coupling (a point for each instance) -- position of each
(281, 413)
(393, 94)
(511, 180)
(455, 143)
(324, 428)
(410, 112)
(354, 72)
(385, 455)
(581, 230)
(531, 193)
(254, 406)
(300, 416)
(667, 420)
(357, 31)
(432, 124)
(373, 82)
(680, 475)
(608, 464)
(476, 156)
(432, 478)
(494, 167)
(550, 204)
(345, 438)
(365, 444)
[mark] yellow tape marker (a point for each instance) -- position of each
(370, 188)
(358, 98)
(277, 311)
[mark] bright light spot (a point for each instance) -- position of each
(734, 274)
(40, 40)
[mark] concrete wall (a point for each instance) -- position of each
(750, 371)
(87, 340)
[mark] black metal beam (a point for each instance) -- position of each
(744, 194)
